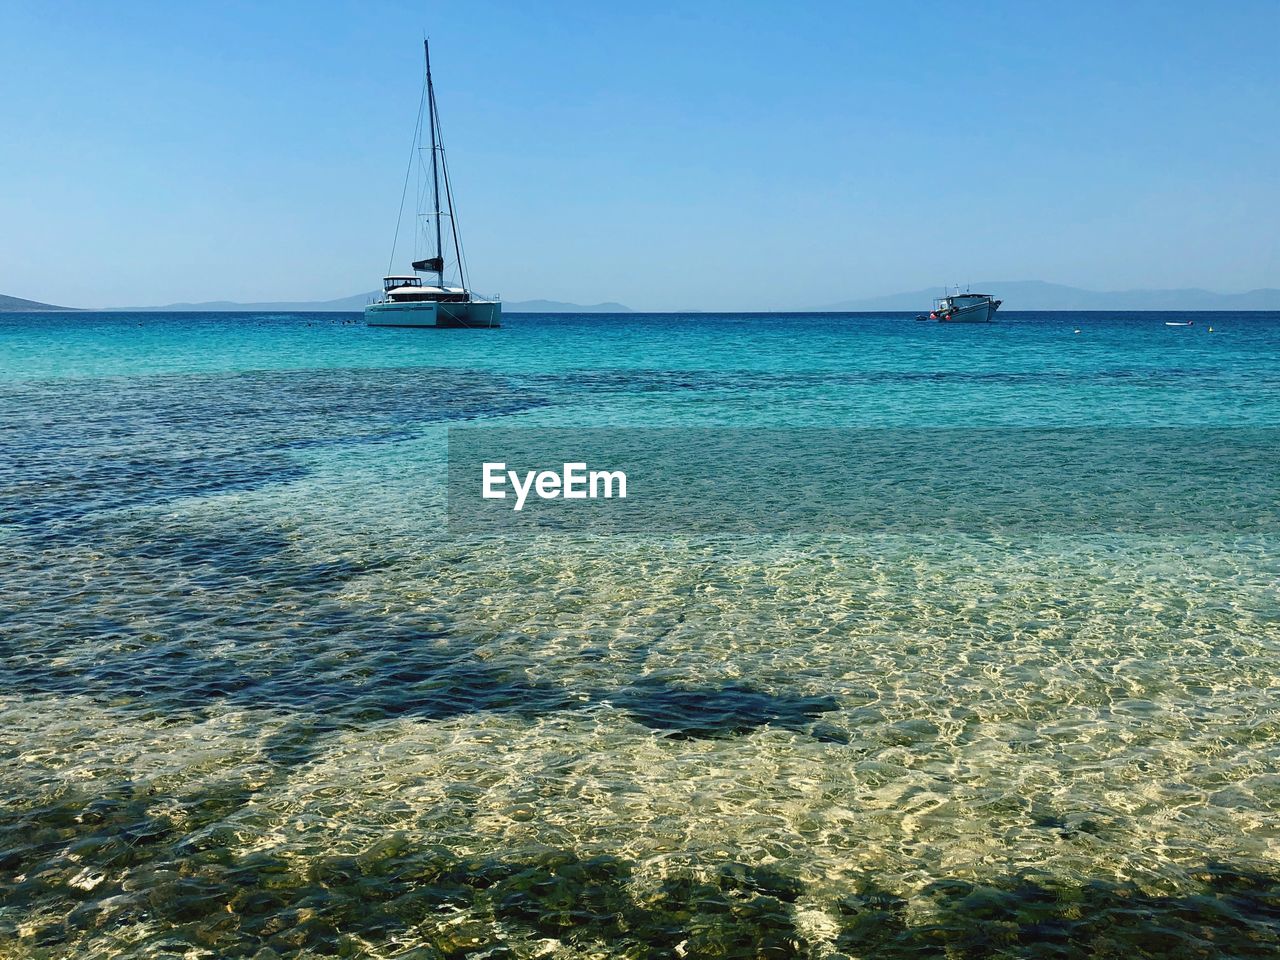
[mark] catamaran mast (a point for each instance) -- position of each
(435, 167)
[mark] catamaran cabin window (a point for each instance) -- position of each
(390, 282)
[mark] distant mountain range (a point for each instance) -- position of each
(343, 305)
(559, 306)
(1038, 295)
(1016, 294)
(357, 303)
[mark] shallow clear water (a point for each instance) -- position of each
(255, 697)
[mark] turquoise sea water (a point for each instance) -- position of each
(256, 698)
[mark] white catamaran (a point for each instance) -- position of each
(448, 302)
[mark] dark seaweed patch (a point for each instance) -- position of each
(87, 865)
(417, 680)
(560, 895)
(85, 488)
(141, 641)
(690, 712)
(716, 919)
(74, 868)
(1232, 914)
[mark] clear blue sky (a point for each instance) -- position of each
(736, 155)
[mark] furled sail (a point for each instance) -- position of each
(430, 265)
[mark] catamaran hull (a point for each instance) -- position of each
(468, 315)
(978, 313)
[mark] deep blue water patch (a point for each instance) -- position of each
(72, 449)
(659, 381)
(78, 486)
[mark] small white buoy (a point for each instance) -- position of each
(1077, 330)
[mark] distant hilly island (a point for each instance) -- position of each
(1039, 295)
(1016, 294)
(352, 304)
(18, 305)
(356, 303)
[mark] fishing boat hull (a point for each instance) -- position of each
(984, 312)
(470, 314)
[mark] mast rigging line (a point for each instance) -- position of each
(428, 109)
(404, 192)
(438, 137)
(435, 165)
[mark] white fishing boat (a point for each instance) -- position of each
(963, 308)
(447, 301)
